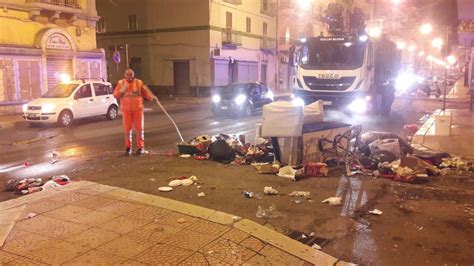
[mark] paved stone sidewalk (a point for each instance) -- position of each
(89, 223)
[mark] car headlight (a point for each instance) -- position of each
(216, 98)
(269, 95)
(48, 108)
(298, 101)
(358, 106)
(24, 108)
(240, 99)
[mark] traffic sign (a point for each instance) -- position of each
(116, 57)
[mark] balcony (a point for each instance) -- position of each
(64, 3)
(230, 39)
(234, 2)
(267, 44)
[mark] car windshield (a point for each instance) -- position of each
(235, 89)
(332, 54)
(60, 91)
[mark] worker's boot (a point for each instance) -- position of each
(141, 151)
(128, 151)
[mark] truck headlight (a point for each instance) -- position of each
(240, 99)
(358, 106)
(298, 101)
(216, 98)
(48, 108)
(24, 108)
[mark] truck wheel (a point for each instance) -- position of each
(65, 118)
(112, 112)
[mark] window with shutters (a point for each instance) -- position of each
(265, 26)
(249, 25)
(101, 25)
(132, 22)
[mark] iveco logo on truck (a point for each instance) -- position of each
(328, 76)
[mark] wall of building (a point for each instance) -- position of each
(33, 34)
(255, 51)
(168, 31)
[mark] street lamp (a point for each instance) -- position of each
(451, 59)
(401, 45)
(437, 43)
(375, 32)
(426, 29)
(304, 4)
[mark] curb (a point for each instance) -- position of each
(254, 229)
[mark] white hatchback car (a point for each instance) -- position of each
(68, 101)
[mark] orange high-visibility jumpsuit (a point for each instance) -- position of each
(131, 104)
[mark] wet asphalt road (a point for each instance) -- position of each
(91, 150)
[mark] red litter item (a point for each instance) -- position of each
(316, 169)
(200, 158)
(26, 163)
(182, 177)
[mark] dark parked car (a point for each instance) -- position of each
(241, 99)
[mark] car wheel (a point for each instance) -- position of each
(112, 112)
(65, 118)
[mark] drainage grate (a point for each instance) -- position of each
(309, 240)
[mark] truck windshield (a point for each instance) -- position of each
(332, 55)
(60, 91)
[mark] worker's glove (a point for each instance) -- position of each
(123, 89)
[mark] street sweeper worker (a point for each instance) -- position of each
(131, 92)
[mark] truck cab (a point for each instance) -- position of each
(340, 70)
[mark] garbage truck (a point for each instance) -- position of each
(353, 73)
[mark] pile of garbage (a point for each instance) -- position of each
(31, 185)
(388, 155)
(227, 149)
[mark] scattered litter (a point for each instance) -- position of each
(210, 252)
(235, 218)
(333, 201)
(312, 234)
(297, 201)
(266, 168)
(31, 215)
(248, 194)
(186, 182)
(287, 172)
(270, 191)
(54, 154)
(50, 185)
(300, 194)
(181, 220)
(270, 212)
(26, 163)
(193, 178)
(198, 186)
(376, 212)
(185, 156)
(165, 189)
(175, 183)
(53, 161)
(316, 246)
(316, 170)
(152, 179)
(303, 236)
(201, 194)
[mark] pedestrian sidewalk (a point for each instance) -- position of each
(88, 223)
(459, 138)
(459, 91)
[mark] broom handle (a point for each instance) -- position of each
(166, 113)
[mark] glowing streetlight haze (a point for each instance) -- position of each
(304, 4)
(426, 29)
(437, 43)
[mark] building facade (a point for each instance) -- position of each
(42, 39)
(188, 47)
